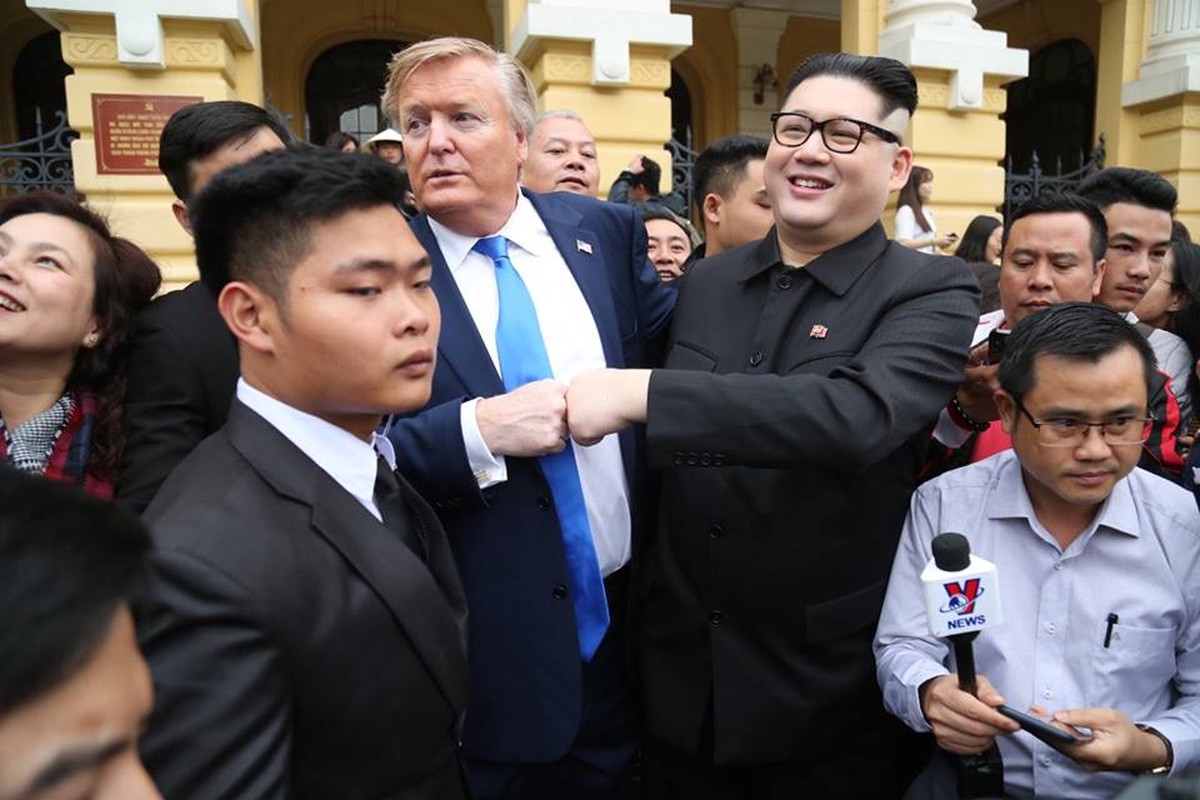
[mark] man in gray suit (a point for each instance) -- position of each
(305, 627)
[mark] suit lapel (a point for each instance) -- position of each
(585, 258)
(460, 347)
(401, 581)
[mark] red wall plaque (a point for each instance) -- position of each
(127, 127)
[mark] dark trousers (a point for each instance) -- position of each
(599, 764)
(878, 765)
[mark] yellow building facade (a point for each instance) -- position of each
(998, 79)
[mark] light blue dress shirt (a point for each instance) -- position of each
(1140, 559)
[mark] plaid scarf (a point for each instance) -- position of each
(57, 444)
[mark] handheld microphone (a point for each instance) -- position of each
(962, 598)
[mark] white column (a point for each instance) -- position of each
(1172, 62)
(139, 22)
(943, 34)
(758, 33)
(609, 25)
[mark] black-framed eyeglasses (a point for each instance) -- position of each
(840, 134)
(1122, 430)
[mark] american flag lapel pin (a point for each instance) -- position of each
(818, 332)
(583, 247)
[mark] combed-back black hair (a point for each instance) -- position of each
(722, 165)
(650, 178)
(1065, 203)
(254, 221)
(1076, 331)
(67, 561)
(1138, 187)
(887, 77)
(195, 131)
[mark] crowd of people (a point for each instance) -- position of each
(454, 480)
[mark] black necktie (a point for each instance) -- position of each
(395, 512)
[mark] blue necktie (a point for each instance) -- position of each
(523, 359)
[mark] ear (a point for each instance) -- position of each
(1101, 267)
(901, 166)
(1007, 407)
(251, 314)
(179, 208)
(711, 209)
(93, 336)
(1177, 302)
(522, 146)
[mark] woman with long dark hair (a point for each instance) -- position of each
(980, 248)
(915, 226)
(69, 291)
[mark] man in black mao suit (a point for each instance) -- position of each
(305, 626)
(546, 720)
(803, 374)
(183, 362)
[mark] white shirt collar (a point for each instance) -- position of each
(349, 460)
(524, 228)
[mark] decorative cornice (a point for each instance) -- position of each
(81, 49)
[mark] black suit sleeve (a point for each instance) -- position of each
(165, 411)
(222, 718)
(846, 420)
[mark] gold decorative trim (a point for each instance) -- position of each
(567, 68)
(1169, 119)
(651, 73)
(194, 53)
(80, 49)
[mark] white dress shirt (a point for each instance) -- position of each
(1139, 559)
(347, 459)
(573, 345)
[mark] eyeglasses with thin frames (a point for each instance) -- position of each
(840, 134)
(1067, 432)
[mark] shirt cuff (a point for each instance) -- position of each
(1184, 745)
(488, 469)
(907, 692)
(949, 432)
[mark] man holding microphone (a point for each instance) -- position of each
(1099, 565)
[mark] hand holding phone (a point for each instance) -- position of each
(997, 339)
(1043, 730)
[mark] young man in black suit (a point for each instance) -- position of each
(803, 374)
(306, 626)
(183, 362)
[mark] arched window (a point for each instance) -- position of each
(681, 110)
(343, 89)
(38, 76)
(1053, 111)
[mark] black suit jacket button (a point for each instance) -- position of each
(543, 502)
(677, 459)
(715, 618)
(559, 591)
(692, 460)
(756, 358)
(784, 282)
(716, 531)
(705, 460)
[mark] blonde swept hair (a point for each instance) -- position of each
(520, 96)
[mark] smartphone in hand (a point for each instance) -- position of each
(1042, 729)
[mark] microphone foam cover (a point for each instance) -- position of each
(951, 552)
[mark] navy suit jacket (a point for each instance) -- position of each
(523, 648)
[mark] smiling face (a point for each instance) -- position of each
(1047, 260)
(668, 248)
(562, 158)
(1066, 482)
(47, 289)
(355, 337)
(1138, 241)
(80, 739)
(823, 199)
(463, 151)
